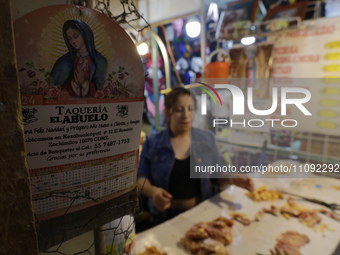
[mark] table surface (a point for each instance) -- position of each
(258, 237)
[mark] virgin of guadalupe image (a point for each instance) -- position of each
(82, 71)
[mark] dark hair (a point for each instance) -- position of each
(172, 96)
(85, 32)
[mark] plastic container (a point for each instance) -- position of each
(120, 236)
(219, 69)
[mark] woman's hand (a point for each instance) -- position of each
(79, 75)
(245, 183)
(85, 88)
(75, 87)
(161, 199)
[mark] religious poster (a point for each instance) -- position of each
(82, 83)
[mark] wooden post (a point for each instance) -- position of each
(17, 227)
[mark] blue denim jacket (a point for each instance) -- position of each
(157, 159)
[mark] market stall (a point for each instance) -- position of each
(287, 54)
(260, 236)
(73, 193)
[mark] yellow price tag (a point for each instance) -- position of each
(331, 79)
(328, 114)
(329, 102)
(332, 68)
(333, 45)
(331, 91)
(326, 124)
(332, 56)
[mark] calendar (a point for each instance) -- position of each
(82, 108)
(56, 188)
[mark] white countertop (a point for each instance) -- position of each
(259, 237)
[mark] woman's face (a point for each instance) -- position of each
(182, 114)
(76, 40)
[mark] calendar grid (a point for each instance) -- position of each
(56, 188)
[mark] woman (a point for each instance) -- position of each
(164, 167)
(83, 69)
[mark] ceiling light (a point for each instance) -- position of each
(248, 40)
(193, 28)
(142, 48)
